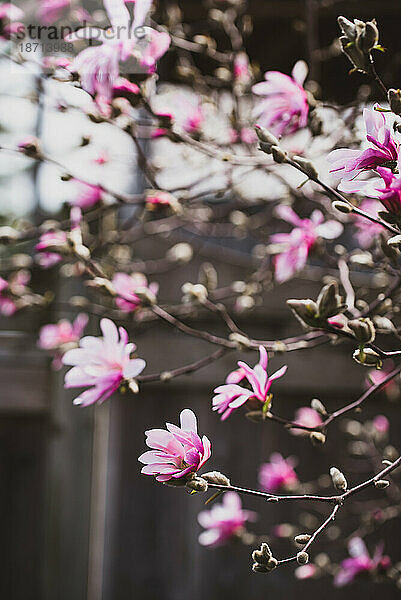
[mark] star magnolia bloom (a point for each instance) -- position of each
(99, 66)
(284, 108)
(86, 194)
(277, 474)
(101, 364)
(128, 286)
(348, 164)
(360, 562)
(186, 111)
(308, 417)
(298, 243)
(7, 305)
(224, 521)
(176, 452)
(231, 395)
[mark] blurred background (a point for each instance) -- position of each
(79, 521)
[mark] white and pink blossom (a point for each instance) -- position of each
(62, 336)
(127, 287)
(360, 562)
(177, 452)
(231, 396)
(284, 106)
(101, 364)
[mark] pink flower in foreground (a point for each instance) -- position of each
(127, 288)
(176, 452)
(231, 395)
(49, 243)
(348, 164)
(305, 571)
(297, 244)
(367, 231)
(307, 417)
(278, 474)
(62, 336)
(86, 194)
(360, 562)
(388, 191)
(101, 364)
(10, 12)
(284, 107)
(224, 521)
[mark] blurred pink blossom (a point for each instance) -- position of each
(86, 195)
(242, 69)
(50, 11)
(305, 571)
(284, 107)
(49, 243)
(360, 562)
(348, 164)
(101, 364)
(62, 336)
(278, 474)
(7, 305)
(99, 66)
(381, 424)
(128, 286)
(176, 452)
(10, 11)
(224, 521)
(297, 244)
(308, 417)
(231, 395)
(367, 231)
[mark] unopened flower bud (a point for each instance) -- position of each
(263, 555)
(259, 568)
(329, 302)
(302, 539)
(370, 36)
(30, 147)
(272, 563)
(133, 386)
(347, 27)
(302, 558)
(367, 357)
(382, 484)
(363, 329)
(338, 478)
(306, 310)
(279, 156)
(394, 99)
(394, 241)
(342, 207)
(194, 292)
(8, 234)
(307, 166)
(266, 137)
(318, 407)
(166, 376)
(208, 276)
(198, 484)
(216, 477)
(181, 252)
(317, 438)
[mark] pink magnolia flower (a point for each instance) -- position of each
(101, 364)
(177, 452)
(297, 244)
(224, 521)
(284, 107)
(278, 474)
(307, 417)
(50, 11)
(242, 69)
(348, 164)
(10, 12)
(381, 424)
(62, 336)
(49, 243)
(376, 376)
(388, 191)
(86, 194)
(98, 66)
(367, 231)
(360, 562)
(231, 395)
(186, 111)
(10, 291)
(128, 286)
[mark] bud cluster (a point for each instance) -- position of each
(358, 40)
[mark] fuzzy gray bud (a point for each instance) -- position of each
(216, 477)
(256, 416)
(302, 539)
(259, 568)
(306, 310)
(382, 484)
(279, 156)
(198, 484)
(318, 407)
(266, 137)
(263, 555)
(342, 206)
(367, 357)
(363, 329)
(317, 438)
(338, 478)
(307, 166)
(302, 558)
(329, 302)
